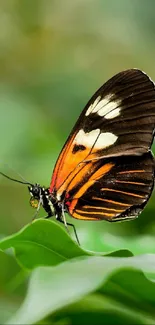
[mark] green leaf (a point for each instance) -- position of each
(135, 244)
(7, 309)
(104, 309)
(51, 289)
(43, 242)
(8, 284)
(7, 262)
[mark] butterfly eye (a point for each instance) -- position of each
(34, 202)
(35, 191)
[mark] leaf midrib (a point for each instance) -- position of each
(37, 244)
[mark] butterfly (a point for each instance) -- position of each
(105, 170)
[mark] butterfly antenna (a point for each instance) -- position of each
(15, 180)
(24, 180)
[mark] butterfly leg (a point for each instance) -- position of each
(75, 233)
(63, 220)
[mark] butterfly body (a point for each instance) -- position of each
(105, 170)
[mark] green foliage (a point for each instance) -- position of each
(69, 285)
(48, 243)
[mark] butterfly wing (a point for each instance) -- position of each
(119, 193)
(117, 122)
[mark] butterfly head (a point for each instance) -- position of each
(35, 190)
(41, 197)
(36, 195)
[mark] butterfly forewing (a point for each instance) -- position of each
(107, 152)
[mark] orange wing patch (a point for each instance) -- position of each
(126, 193)
(97, 175)
(111, 201)
(80, 216)
(59, 164)
(74, 159)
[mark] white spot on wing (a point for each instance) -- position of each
(105, 140)
(102, 107)
(92, 106)
(101, 140)
(105, 107)
(86, 139)
(113, 113)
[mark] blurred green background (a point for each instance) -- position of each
(53, 57)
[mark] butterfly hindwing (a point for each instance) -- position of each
(120, 194)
